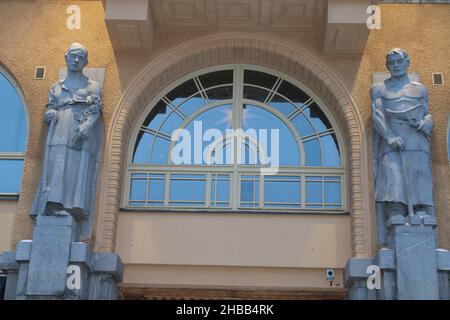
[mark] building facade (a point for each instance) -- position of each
(195, 230)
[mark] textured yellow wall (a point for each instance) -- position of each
(34, 33)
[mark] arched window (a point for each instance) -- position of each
(236, 138)
(13, 133)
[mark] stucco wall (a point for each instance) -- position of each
(33, 33)
(7, 212)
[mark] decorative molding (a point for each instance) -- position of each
(226, 49)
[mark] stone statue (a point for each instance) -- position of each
(403, 124)
(70, 166)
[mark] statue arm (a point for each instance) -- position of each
(378, 116)
(90, 117)
(52, 105)
(427, 123)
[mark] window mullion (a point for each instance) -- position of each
(167, 190)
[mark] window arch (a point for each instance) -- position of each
(13, 133)
(218, 103)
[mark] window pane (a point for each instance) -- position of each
(193, 104)
(331, 157)
(282, 191)
(173, 122)
(187, 190)
(156, 116)
(218, 118)
(249, 191)
(332, 191)
(312, 153)
(259, 78)
(221, 93)
(216, 78)
(11, 176)
(282, 105)
(142, 149)
(314, 197)
(257, 118)
(256, 94)
(160, 151)
(138, 189)
(318, 118)
(156, 186)
(13, 125)
(302, 125)
(293, 93)
(181, 92)
(220, 190)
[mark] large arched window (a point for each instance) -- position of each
(13, 133)
(188, 152)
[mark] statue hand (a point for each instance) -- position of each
(396, 143)
(425, 126)
(80, 134)
(50, 115)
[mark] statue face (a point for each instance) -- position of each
(76, 60)
(397, 65)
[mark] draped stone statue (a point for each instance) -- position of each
(403, 124)
(71, 158)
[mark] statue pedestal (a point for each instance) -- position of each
(414, 248)
(56, 266)
(50, 252)
(411, 267)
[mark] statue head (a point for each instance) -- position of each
(76, 57)
(397, 62)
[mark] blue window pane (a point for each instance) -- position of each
(331, 157)
(257, 118)
(249, 191)
(142, 150)
(312, 153)
(160, 151)
(282, 105)
(220, 190)
(314, 197)
(191, 105)
(302, 125)
(138, 189)
(156, 116)
(332, 192)
(187, 190)
(13, 125)
(156, 187)
(282, 191)
(219, 118)
(11, 176)
(318, 118)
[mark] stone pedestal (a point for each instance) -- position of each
(415, 254)
(50, 253)
(411, 267)
(43, 268)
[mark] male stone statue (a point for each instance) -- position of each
(73, 142)
(403, 180)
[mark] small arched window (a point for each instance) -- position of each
(187, 153)
(13, 133)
